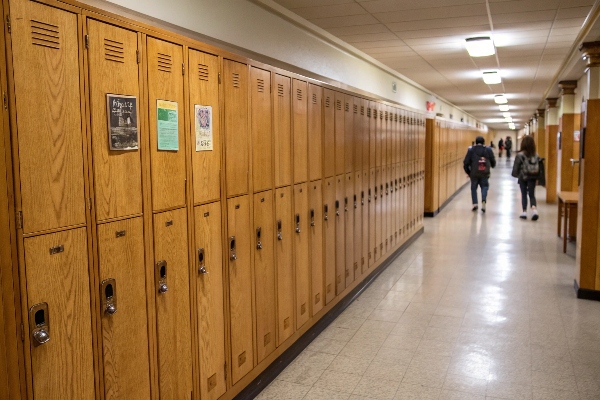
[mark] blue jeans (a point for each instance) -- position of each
(485, 185)
(528, 188)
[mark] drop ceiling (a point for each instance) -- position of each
(424, 41)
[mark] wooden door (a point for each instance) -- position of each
(240, 286)
(210, 300)
(264, 273)
(315, 200)
(340, 235)
(329, 238)
(203, 80)
(379, 199)
(113, 73)
(300, 133)
(57, 275)
(365, 134)
(372, 201)
(315, 132)
(237, 140)
(372, 117)
(284, 259)
(358, 134)
(349, 228)
(328, 133)
(384, 134)
(124, 332)
(378, 116)
(50, 135)
(389, 193)
(366, 221)
(301, 253)
(262, 132)
(348, 133)
(173, 304)
(340, 134)
(166, 113)
(358, 227)
(282, 117)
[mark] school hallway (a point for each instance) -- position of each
(481, 306)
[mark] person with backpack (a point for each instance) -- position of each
(528, 169)
(508, 146)
(477, 164)
(500, 147)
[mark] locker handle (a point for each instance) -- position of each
(108, 294)
(325, 211)
(312, 217)
(362, 198)
(355, 201)
(258, 242)
(39, 324)
(375, 193)
(161, 276)
(369, 197)
(337, 208)
(345, 204)
(201, 266)
(279, 234)
(297, 223)
(232, 255)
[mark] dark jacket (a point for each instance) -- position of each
(517, 170)
(476, 152)
(508, 144)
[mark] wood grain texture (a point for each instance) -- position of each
(328, 133)
(357, 230)
(301, 254)
(125, 333)
(282, 116)
(357, 133)
(210, 300)
(365, 205)
(340, 133)
(340, 235)
(372, 203)
(284, 261)
(365, 135)
(317, 266)
(349, 140)
(372, 117)
(203, 83)
(551, 163)
(379, 199)
(315, 132)
(63, 367)
(300, 130)
(329, 238)
(117, 174)
(348, 208)
(49, 136)
(261, 126)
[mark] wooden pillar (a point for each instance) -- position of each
(540, 135)
(551, 131)
(567, 173)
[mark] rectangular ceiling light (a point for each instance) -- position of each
(491, 77)
(506, 114)
(503, 107)
(511, 126)
(500, 99)
(480, 46)
(508, 119)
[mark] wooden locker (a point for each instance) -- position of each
(358, 228)
(204, 91)
(315, 200)
(379, 199)
(349, 203)
(384, 134)
(123, 306)
(57, 277)
(300, 123)
(282, 117)
(372, 202)
(50, 135)
(262, 132)
(340, 235)
(264, 274)
(328, 133)
(365, 205)
(385, 192)
(397, 203)
(365, 134)
(210, 300)
(378, 115)
(329, 238)
(284, 259)
(389, 210)
(113, 69)
(389, 142)
(165, 91)
(172, 285)
(315, 132)
(348, 133)
(340, 133)
(357, 135)
(237, 140)
(240, 286)
(372, 117)
(301, 253)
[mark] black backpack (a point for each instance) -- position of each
(480, 164)
(531, 167)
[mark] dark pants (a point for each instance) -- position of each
(528, 188)
(485, 185)
(508, 153)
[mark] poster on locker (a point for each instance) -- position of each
(167, 126)
(204, 134)
(122, 122)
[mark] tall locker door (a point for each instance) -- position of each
(351, 266)
(210, 299)
(364, 134)
(385, 208)
(391, 195)
(340, 134)
(205, 126)
(379, 198)
(113, 69)
(58, 303)
(284, 260)
(328, 133)
(378, 115)
(390, 136)
(240, 286)
(300, 122)
(282, 117)
(340, 235)
(315, 203)
(384, 134)
(372, 202)
(301, 253)
(315, 132)
(167, 137)
(50, 135)
(357, 230)
(264, 274)
(262, 133)
(237, 140)
(348, 133)
(172, 285)
(372, 117)
(123, 307)
(397, 223)
(365, 204)
(357, 134)
(329, 238)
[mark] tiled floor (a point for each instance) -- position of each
(479, 307)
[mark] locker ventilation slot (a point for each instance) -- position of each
(362, 110)
(280, 89)
(355, 108)
(368, 112)
(347, 108)
(236, 80)
(338, 105)
(203, 72)
(260, 85)
(327, 102)
(374, 113)
(314, 98)
(165, 63)
(299, 94)
(45, 35)
(113, 51)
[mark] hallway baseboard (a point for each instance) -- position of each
(586, 294)
(273, 370)
(436, 212)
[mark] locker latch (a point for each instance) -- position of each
(161, 276)
(325, 211)
(297, 223)
(108, 293)
(201, 262)
(232, 255)
(355, 204)
(312, 217)
(258, 242)
(345, 204)
(337, 208)
(369, 197)
(279, 234)
(362, 198)
(39, 324)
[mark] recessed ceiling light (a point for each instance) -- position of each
(506, 114)
(503, 107)
(491, 77)
(508, 119)
(480, 46)
(500, 99)
(511, 126)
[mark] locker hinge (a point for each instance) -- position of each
(87, 41)
(8, 27)
(22, 333)
(182, 68)
(137, 56)
(225, 369)
(5, 100)
(219, 78)
(19, 219)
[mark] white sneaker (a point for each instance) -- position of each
(523, 215)
(535, 215)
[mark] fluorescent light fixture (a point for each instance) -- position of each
(508, 119)
(480, 46)
(503, 107)
(500, 99)
(506, 114)
(491, 77)
(511, 126)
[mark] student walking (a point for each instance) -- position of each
(528, 169)
(477, 165)
(508, 146)
(500, 147)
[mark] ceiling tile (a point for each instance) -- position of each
(432, 13)
(381, 43)
(438, 23)
(369, 37)
(565, 13)
(358, 29)
(338, 10)
(533, 16)
(336, 22)
(509, 7)
(463, 32)
(292, 4)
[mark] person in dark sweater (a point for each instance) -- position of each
(508, 146)
(477, 165)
